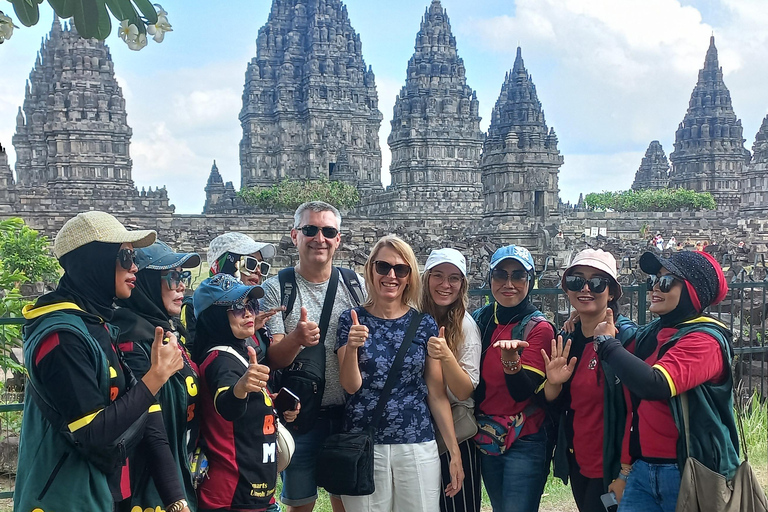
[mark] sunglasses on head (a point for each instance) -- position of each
(595, 284)
(516, 276)
(248, 265)
(174, 278)
(239, 309)
(665, 282)
(382, 268)
(310, 230)
(126, 258)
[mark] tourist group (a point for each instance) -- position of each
(381, 388)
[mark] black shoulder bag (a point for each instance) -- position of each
(345, 462)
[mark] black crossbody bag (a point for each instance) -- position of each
(345, 462)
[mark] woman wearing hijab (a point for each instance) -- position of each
(585, 392)
(444, 296)
(512, 438)
(680, 354)
(83, 408)
(156, 302)
(238, 422)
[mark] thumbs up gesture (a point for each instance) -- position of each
(307, 333)
(357, 333)
(437, 347)
(254, 379)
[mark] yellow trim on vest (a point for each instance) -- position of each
(216, 396)
(154, 408)
(82, 422)
(30, 311)
(534, 370)
(705, 320)
(112, 373)
(542, 386)
(672, 388)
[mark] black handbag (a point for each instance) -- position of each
(345, 462)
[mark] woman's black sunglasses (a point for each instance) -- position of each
(126, 258)
(328, 231)
(665, 282)
(401, 269)
(517, 276)
(240, 308)
(174, 278)
(595, 284)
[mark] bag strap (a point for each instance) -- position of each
(353, 284)
(231, 351)
(330, 298)
(686, 422)
(287, 280)
(394, 370)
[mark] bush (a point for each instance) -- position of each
(25, 254)
(660, 200)
(289, 194)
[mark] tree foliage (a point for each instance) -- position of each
(651, 200)
(24, 255)
(289, 194)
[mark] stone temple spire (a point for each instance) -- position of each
(308, 92)
(520, 157)
(754, 185)
(7, 183)
(654, 169)
(436, 138)
(709, 153)
(73, 133)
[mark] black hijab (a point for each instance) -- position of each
(89, 279)
(212, 329)
(147, 299)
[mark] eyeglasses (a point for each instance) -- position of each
(596, 284)
(328, 231)
(401, 269)
(516, 276)
(453, 279)
(174, 278)
(126, 258)
(248, 265)
(239, 309)
(665, 282)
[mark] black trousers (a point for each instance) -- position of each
(468, 498)
(586, 491)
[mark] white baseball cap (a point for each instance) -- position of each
(446, 255)
(238, 243)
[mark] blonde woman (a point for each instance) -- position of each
(406, 462)
(457, 347)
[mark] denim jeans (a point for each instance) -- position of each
(515, 480)
(651, 488)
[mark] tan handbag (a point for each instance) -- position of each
(285, 446)
(464, 426)
(703, 490)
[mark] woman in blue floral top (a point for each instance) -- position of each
(406, 462)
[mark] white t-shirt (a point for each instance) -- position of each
(469, 357)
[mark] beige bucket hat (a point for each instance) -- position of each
(597, 259)
(96, 226)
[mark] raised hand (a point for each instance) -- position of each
(437, 347)
(166, 356)
(570, 325)
(357, 333)
(254, 379)
(308, 333)
(510, 349)
(607, 326)
(559, 368)
(260, 320)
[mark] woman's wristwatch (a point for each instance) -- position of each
(176, 506)
(599, 340)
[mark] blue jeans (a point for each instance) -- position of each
(651, 488)
(515, 480)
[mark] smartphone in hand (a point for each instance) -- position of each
(609, 501)
(286, 400)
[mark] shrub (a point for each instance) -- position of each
(649, 200)
(289, 194)
(25, 252)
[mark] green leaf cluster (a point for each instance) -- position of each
(651, 200)
(92, 19)
(289, 194)
(24, 255)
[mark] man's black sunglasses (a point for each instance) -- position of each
(596, 284)
(401, 269)
(328, 231)
(517, 276)
(665, 282)
(126, 258)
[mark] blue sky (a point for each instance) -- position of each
(612, 76)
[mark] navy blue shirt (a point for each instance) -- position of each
(406, 418)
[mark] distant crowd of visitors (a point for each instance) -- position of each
(143, 396)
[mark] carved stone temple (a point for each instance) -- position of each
(754, 185)
(709, 153)
(654, 169)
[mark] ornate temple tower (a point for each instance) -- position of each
(709, 153)
(654, 169)
(754, 186)
(7, 183)
(520, 161)
(308, 93)
(436, 138)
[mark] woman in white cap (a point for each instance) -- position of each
(513, 437)
(444, 288)
(84, 410)
(156, 301)
(584, 390)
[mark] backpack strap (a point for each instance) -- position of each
(353, 285)
(287, 280)
(231, 351)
